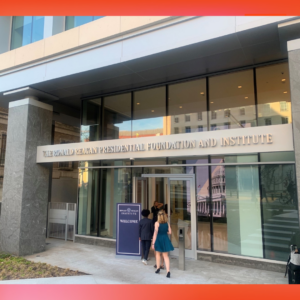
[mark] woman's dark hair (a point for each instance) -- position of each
(145, 212)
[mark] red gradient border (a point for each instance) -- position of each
(147, 292)
(150, 8)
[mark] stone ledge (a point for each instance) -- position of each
(260, 264)
(89, 240)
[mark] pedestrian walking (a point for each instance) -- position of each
(146, 229)
(161, 242)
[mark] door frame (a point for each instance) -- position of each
(191, 178)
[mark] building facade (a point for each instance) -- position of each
(198, 113)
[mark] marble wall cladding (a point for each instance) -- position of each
(294, 69)
(25, 189)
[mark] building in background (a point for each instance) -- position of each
(199, 113)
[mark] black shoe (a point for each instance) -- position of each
(157, 271)
(168, 275)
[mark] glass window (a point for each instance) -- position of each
(188, 99)
(111, 163)
(26, 30)
(188, 160)
(115, 188)
(72, 22)
(176, 130)
(117, 117)
(91, 120)
(273, 95)
(277, 156)
(279, 210)
(188, 129)
(227, 93)
(88, 184)
(149, 113)
(203, 208)
(235, 205)
(268, 122)
(200, 128)
(149, 161)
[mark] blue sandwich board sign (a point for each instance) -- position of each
(128, 218)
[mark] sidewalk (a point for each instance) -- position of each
(105, 268)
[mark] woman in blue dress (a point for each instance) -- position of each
(161, 242)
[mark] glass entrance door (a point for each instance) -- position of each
(140, 191)
(181, 212)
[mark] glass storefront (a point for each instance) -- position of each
(243, 99)
(243, 204)
(247, 209)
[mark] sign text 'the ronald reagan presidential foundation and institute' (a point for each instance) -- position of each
(247, 140)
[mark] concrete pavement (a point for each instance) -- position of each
(104, 268)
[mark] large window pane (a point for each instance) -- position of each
(187, 107)
(117, 117)
(72, 22)
(115, 188)
(273, 95)
(26, 30)
(149, 113)
(88, 201)
(277, 156)
(203, 212)
(280, 210)
(91, 120)
(231, 101)
(37, 29)
(236, 204)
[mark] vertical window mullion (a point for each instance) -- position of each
(207, 103)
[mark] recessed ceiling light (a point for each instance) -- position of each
(202, 93)
(283, 80)
(211, 102)
(285, 92)
(239, 87)
(152, 110)
(138, 104)
(180, 106)
(246, 97)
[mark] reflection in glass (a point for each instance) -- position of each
(280, 210)
(88, 201)
(232, 103)
(203, 208)
(115, 188)
(72, 22)
(149, 113)
(277, 156)
(91, 117)
(236, 205)
(180, 206)
(117, 117)
(273, 95)
(187, 106)
(26, 30)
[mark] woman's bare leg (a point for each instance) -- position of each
(167, 260)
(162, 259)
(157, 254)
